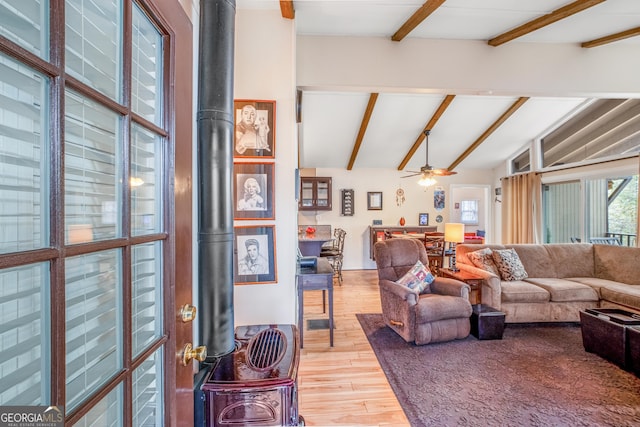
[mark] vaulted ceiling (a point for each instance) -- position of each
(384, 129)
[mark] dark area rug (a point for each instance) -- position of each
(535, 376)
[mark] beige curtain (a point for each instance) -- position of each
(521, 208)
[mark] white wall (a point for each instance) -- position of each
(417, 200)
(467, 67)
(265, 70)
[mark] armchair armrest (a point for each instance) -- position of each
(399, 291)
(491, 285)
(453, 287)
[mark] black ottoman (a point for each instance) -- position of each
(604, 332)
(487, 323)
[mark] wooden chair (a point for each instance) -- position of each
(435, 246)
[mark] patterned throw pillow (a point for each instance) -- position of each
(509, 265)
(418, 278)
(483, 259)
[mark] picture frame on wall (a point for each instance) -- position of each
(254, 191)
(254, 128)
(374, 200)
(423, 219)
(254, 255)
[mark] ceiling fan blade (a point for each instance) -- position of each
(443, 172)
(413, 174)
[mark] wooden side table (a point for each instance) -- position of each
(474, 282)
(318, 277)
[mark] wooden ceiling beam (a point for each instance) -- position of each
(503, 118)
(416, 19)
(363, 129)
(612, 38)
(543, 21)
(287, 10)
(432, 122)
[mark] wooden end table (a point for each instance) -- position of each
(474, 282)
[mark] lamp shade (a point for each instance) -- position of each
(454, 232)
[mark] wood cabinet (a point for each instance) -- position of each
(315, 193)
(378, 233)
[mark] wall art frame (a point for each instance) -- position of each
(374, 200)
(254, 128)
(254, 191)
(254, 255)
(423, 219)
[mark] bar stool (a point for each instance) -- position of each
(334, 252)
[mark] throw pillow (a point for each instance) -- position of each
(418, 278)
(483, 259)
(509, 264)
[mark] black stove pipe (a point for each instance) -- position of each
(215, 176)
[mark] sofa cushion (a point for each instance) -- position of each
(594, 282)
(571, 259)
(521, 291)
(509, 264)
(464, 248)
(562, 290)
(483, 259)
(432, 307)
(418, 278)
(536, 260)
(617, 263)
(622, 294)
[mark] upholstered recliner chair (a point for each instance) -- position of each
(439, 313)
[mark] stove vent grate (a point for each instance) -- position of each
(266, 349)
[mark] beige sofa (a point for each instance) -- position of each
(563, 279)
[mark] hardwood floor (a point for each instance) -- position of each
(343, 385)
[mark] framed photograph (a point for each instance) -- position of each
(255, 128)
(374, 200)
(253, 198)
(254, 255)
(423, 219)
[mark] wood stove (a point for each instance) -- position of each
(256, 384)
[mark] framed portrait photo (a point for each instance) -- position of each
(254, 128)
(254, 255)
(374, 200)
(253, 197)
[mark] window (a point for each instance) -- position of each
(562, 212)
(522, 162)
(605, 129)
(469, 212)
(579, 210)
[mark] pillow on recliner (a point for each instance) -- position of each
(509, 265)
(483, 259)
(418, 278)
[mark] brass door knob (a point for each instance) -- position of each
(187, 313)
(198, 353)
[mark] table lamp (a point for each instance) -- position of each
(453, 233)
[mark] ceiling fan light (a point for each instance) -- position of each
(427, 181)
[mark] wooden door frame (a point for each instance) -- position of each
(179, 113)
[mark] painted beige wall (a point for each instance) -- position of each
(265, 69)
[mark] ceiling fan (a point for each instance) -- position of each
(427, 172)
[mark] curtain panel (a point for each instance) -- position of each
(521, 208)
